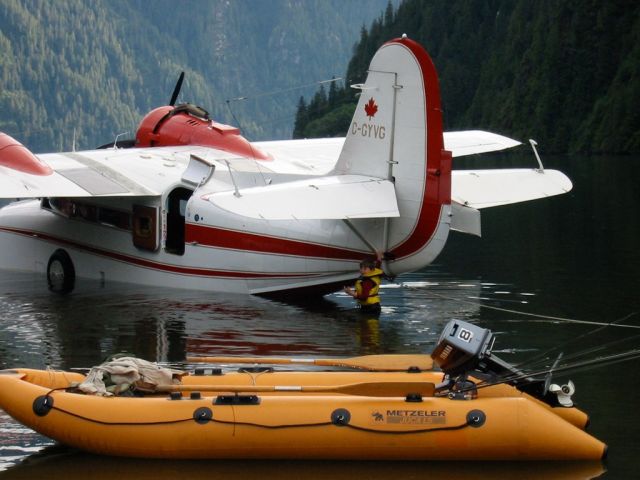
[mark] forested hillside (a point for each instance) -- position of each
(97, 67)
(566, 73)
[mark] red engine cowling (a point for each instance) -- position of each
(187, 124)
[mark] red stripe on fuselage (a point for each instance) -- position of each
(169, 268)
(254, 242)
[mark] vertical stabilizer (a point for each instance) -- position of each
(396, 134)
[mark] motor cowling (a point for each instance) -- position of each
(461, 347)
(187, 124)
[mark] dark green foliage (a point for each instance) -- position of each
(97, 67)
(337, 120)
(566, 73)
(301, 119)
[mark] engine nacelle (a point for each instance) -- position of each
(188, 124)
(15, 155)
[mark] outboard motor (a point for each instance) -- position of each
(461, 347)
(464, 350)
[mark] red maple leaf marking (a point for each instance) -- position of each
(371, 108)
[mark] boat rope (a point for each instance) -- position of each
(536, 315)
(266, 426)
(103, 422)
(284, 90)
(254, 375)
(228, 101)
(470, 422)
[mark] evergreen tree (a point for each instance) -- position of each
(301, 119)
(565, 73)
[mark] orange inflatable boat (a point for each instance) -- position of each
(392, 407)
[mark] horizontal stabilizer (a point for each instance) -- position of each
(333, 197)
(465, 219)
(471, 142)
(490, 188)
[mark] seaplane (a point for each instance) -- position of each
(190, 203)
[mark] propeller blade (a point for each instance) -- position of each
(389, 363)
(176, 90)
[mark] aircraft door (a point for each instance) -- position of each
(175, 214)
(145, 227)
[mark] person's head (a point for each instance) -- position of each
(367, 264)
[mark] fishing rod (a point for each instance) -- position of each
(577, 366)
(541, 356)
(537, 315)
(581, 353)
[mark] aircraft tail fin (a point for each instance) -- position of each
(396, 134)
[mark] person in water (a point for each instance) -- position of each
(367, 286)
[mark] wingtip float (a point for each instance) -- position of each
(372, 414)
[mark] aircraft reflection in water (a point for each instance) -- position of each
(192, 204)
(167, 325)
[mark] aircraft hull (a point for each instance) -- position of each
(266, 257)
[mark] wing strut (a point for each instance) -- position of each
(535, 151)
(359, 235)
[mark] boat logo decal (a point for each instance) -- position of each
(409, 417)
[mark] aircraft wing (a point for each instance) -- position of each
(470, 142)
(490, 188)
(319, 156)
(106, 173)
(329, 197)
(148, 171)
(151, 171)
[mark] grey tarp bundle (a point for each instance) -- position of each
(118, 375)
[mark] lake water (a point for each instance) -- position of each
(573, 257)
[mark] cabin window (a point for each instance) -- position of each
(87, 212)
(145, 221)
(77, 210)
(114, 218)
(176, 211)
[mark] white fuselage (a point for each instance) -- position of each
(261, 257)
